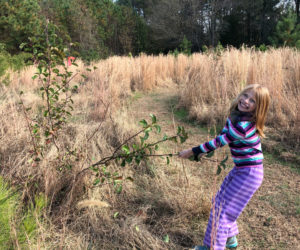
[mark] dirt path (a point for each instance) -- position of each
(272, 218)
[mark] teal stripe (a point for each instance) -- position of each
(255, 139)
(243, 150)
(244, 124)
(212, 144)
(248, 159)
(253, 132)
(234, 135)
(202, 148)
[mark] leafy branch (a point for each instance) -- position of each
(140, 149)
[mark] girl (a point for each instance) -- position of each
(242, 132)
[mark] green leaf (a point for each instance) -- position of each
(116, 214)
(142, 140)
(219, 170)
(165, 137)
(119, 189)
(158, 128)
(182, 139)
(22, 45)
(123, 163)
(168, 160)
(223, 161)
(96, 182)
(156, 147)
(34, 77)
(210, 154)
(137, 228)
(148, 129)
(129, 159)
(40, 69)
(146, 136)
(223, 165)
(137, 160)
(166, 239)
(129, 179)
(153, 117)
(126, 149)
(47, 133)
(143, 123)
(178, 130)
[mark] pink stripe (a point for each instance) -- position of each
(250, 131)
(248, 147)
(246, 156)
(215, 143)
(205, 148)
(226, 139)
(252, 137)
(250, 166)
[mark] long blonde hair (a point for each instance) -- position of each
(262, 99)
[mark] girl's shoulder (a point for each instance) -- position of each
(245, 128)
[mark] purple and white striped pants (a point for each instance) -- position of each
(235, 192)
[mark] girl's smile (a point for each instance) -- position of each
(247, 102)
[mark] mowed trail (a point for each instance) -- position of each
(272, 218)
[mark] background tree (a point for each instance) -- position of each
(19, 19)
(287, 31)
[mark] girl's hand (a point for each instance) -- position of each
(186, 153)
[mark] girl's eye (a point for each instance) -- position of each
(252, 101)
(246, 95)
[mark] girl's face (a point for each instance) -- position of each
(247, 102)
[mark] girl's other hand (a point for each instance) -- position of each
(186, 153)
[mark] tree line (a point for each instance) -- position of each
(95, 29)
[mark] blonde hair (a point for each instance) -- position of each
(262, 99)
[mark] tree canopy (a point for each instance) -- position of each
(100, 28)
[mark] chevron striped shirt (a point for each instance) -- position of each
(244, 143)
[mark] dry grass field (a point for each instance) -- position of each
(165, 207)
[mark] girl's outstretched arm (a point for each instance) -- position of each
(187, 153)
(231, 132)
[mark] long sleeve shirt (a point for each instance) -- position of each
(244, 143)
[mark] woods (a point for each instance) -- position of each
(100, 28)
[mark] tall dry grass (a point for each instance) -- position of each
(80, 216)
(214, 81)
(157, 202)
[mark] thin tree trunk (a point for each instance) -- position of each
(297, 2)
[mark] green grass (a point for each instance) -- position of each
(12, 213)
(8, 208)
(274, 157)
(137, 95)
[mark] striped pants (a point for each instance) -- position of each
(235, 192)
